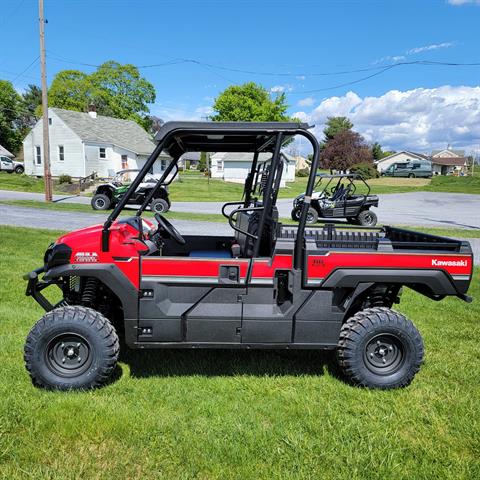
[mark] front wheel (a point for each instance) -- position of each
(296, 214)
(100, 201)
(366, 218)
(71, 348)
(312, 216)
(379, 348)
(411, 175)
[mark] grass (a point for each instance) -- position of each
(240, 415)
(212, 217)
(195, 188)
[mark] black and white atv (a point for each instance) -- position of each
(339, 199)
(107, 195)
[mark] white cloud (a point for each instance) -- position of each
(427, 48)
(463, 2)
(181, 112)
(306, 102)
(281, 88)
(419, 119)
(414, 51)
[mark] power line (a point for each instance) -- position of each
(26, 69)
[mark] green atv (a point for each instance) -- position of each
(107, 195)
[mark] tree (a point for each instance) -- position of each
(249, 102)
(335, 125)
(378, 153)
(11, 109)
(116, 90)
(347, 148)
(32, 101)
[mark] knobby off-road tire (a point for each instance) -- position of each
(71, 348)
(100, 201)
(367, 218)
(312, 216)
(379, 348)
(19, 169)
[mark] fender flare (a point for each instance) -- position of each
(438, 282)
(110, 275)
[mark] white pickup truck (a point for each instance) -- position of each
(10, 166)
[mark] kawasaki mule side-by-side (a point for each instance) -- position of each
(265, 285)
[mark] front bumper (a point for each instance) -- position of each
(35, 287)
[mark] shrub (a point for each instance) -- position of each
(366, 170)
(64, 179)
(303, 172)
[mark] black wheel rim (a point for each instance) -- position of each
(310, 218)
(99, 202)
(68, 355)
(367, 219)
(384, 354)
(158, 208)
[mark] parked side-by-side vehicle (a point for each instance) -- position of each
(263, 286)
(11, 166)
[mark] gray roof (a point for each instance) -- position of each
(191, 156)
(460, 153)
(5, 152)
(123, 133)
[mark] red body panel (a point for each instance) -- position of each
(320, 266)
(125, 248)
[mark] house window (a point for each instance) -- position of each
(220, 165)
(38, 155)
(163, 164)
(102, 153)
(49, 121)
(61, 153)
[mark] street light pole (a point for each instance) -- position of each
(46, 143)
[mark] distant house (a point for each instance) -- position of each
(449, 162)
(5, 153)
(189, 160)
(403, 156)
(234, 167)
(301, 163)
(83, 143)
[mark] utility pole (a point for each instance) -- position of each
(46, 143)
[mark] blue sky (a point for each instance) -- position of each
(417, 107)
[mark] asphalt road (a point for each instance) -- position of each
(430, 209)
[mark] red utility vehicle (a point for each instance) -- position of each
(266, 285)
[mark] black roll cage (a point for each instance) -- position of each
(179, 137)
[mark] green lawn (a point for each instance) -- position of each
(239, 415)
(197, 188)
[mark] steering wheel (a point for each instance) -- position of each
(166, 226)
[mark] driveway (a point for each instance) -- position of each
(430, 209)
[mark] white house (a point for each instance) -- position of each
(449, 162)
(403, 156)
(234, 167)
(5, 153)
(83, 143)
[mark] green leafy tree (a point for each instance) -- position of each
(335, 125)
(11, 110)
(32, 104)
(249, 102)
(377, 151)
(116, 90)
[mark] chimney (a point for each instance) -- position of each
(92, 111)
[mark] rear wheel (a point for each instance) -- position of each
(71, 348)
(379, 348)
(312, 216)
(366, 218)
(159, 205)
(411, 175)
(100, 201)
(19, 169)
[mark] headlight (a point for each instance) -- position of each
(57, 254)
